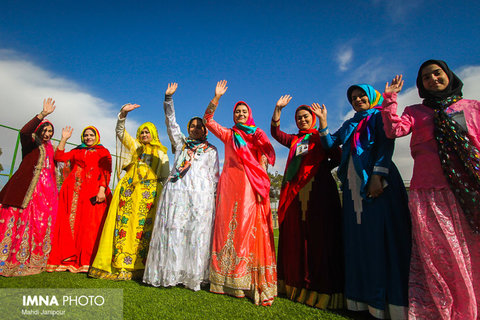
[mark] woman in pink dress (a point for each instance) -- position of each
(28, 202)
(444, 193)
(243, 253)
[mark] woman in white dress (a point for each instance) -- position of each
(181, 241)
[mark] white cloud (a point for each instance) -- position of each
(24, 85)
(344, 57)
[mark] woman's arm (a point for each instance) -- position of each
(173, 129)
(394, 125)
(127, 140)
(277, 134)
(384, 153)
(105, 164)
(220, 132)
(60, 154)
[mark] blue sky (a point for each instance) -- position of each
(94, 56)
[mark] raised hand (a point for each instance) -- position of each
(321, 112)
(172, 87)
(129, 107)
(221, 88)
(396, 86)
(283, 101)
(48, 107)
(67, 133)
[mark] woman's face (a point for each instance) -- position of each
(360, 100)
(145, 136)
(47, 133)
(434, 78)
(89, 137)
(303, 119)
(241, 114)
(196, 130)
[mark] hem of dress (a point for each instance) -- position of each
(70, 268)
(312, 298)
(117, 275)
(264, 298)
(391, 312)
(25, 271)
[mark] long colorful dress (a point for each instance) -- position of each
(28, 207)
(310, 246)
(126, 234)
(243, 252)
(376, 230)
(80, 219)
(444, 273)
(182, 236)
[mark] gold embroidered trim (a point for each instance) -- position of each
(36, 175)
(76, 193)
(312, 298)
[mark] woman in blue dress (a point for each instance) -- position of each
(376, 218)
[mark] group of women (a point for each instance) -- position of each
(380, 251)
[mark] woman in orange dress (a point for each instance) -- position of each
(83, 202)
(243, 253)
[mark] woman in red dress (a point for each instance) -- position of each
(310, 253)
(83, 202)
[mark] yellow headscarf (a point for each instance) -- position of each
(153, 131)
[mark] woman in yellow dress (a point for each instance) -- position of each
(123, 247)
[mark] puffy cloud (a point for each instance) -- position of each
(24, 85)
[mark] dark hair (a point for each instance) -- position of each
(303, 107)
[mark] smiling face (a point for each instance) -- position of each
(196, 130)
(89, 137)
(241, 114)
(145, 136)
(303, 119)
(46, 133)
(360, 100)
(434, 78)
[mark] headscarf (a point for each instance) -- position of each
(250, 142)
(95, 143)
(362, 133)
(459, 158)
(300, 169)
(191, 149)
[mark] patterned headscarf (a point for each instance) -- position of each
(362, 133)
(459, 158)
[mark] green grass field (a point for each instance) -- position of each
(145, 302)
